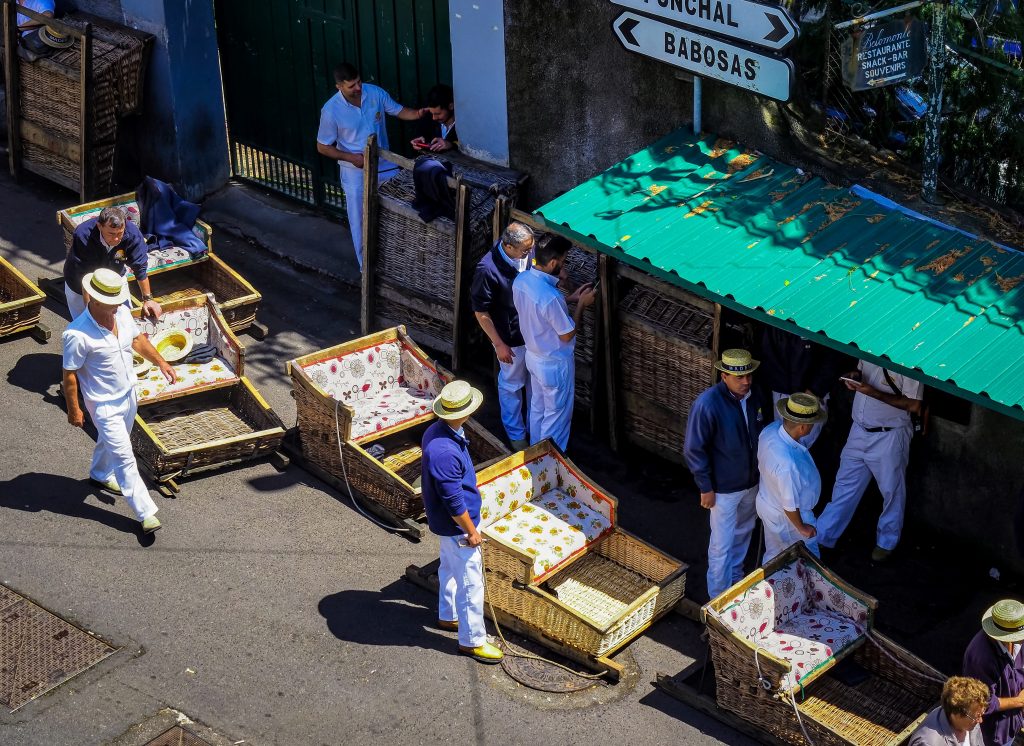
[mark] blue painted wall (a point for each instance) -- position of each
(478, 72)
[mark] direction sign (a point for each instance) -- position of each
(768, 26)
(709, 58)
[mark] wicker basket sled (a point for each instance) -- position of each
(21, 302)
(557, 566)
(173, 272)
(776, 639)
(212, 416)
(362, 409)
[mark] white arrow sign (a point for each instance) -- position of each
(709, 58)
(768, 26)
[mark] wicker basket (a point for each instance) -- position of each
(205, 429)
(883, 710)
(666, 361)
(325, 423)
(597, 599)
(581, 267)
(21, 302)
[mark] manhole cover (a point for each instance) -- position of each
(542, 675)
(178, 736)
(39, 651)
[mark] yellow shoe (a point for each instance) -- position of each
(452, 626)
(485, 653)
(151, 524)
(110, 485)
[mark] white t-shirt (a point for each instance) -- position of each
(103, 362)
(870, 412)
(543, 314)
(347, 127)
(789, 477)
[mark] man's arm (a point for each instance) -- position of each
(585, 297)
(329, 151)
(806, 530)
(699, 431)
(446, 470)
(70, 385)
(144, 347)
(892, 399)
(501, 350)
(411, 115)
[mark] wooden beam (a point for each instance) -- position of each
(463, 239)
(11, 65)
(607, 278)
(716, 341)
(371, 157)
(85, 184)
(676, 293)
(54, 143)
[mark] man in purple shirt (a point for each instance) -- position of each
(994, 657)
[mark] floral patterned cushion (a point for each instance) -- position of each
(807, 641)
(825, 596)
(190, 376)
(165, 259)
(751, 614)
(131, 209)
(551, 528)
(790, 588)
(507, 492)
(391, 408)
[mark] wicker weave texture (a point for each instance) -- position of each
(581, 267)
(236, 302)
(12, 290)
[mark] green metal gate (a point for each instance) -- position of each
(277, 58)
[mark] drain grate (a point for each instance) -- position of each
(178, 736)
(39, 651)
(541, 675)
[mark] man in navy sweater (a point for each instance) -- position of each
(721, 451)
(452, 503)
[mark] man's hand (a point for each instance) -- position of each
(76, 417)
(168, 370)
(356, 159)
(474, 539)
(808, 531)
(707, 500)
(418, 143)
(152, 309)
(575, 295)
(439, 145)
(588, 294)
(504, 353)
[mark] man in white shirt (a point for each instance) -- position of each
(98, 348)
(549, 334)
(879, 447)
(347, 120)
(790, 484)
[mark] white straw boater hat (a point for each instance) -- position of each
(51, 37)
(737, 363)
(804, 409)
(457, 400)
(106, 286)
(1004, 621)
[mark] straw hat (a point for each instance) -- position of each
(106, 286)
(51, 37)
(1004, 621)
(172, 344)
(457, 400)
(803, 409)
(737, 363)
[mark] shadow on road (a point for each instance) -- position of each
(393, 616)
(39, 373)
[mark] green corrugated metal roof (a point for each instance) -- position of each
(792, 250)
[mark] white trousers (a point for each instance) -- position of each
(732, 522)
(808, 440)
(113, 457)
(552, 388)
(779, 531)
(883, 456)
(352, 185)
(461, 597)
(76, 302)
(512, 387)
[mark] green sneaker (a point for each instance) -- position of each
(110, 485)
(151, 524)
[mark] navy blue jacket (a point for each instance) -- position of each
(491, 293)
(790, 363)
(720, 446)
(449, 480)
(89, 254)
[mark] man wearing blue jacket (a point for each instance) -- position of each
(721, 451)
(452, 503)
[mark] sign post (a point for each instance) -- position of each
(766, 26)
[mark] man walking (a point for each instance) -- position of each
(452, 504)
(98, 348)
(495, 311)
(790, 484)
(549, 334)
(347, 120)
(879, 447)
(721, 451)
(112, 241)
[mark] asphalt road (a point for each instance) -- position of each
(268, 608)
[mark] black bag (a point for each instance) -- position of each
(919, 419)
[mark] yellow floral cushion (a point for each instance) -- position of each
(190, 376)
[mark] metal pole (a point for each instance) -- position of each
(936, 81)
(697, 126)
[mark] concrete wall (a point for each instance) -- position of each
(478, 69)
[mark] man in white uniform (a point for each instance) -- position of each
(347, 120)
(549, 334)
(98, 348)
(879, 447)
(790, 484)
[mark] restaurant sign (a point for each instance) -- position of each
(883, 54)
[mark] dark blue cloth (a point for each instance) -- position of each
(449, 480)
(167, 219)
(491, 293)
(984, 661)
(434, 198)
(790, 363)
(720, 446)
(89, 254)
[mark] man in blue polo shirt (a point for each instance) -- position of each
(495, 311)
(347, 120)
(452, 504)
(721, 451)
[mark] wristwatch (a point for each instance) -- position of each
(146, 297)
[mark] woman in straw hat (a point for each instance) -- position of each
(994, 657)
(790, 484)
(452, 503)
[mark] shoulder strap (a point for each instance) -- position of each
(892, 383)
